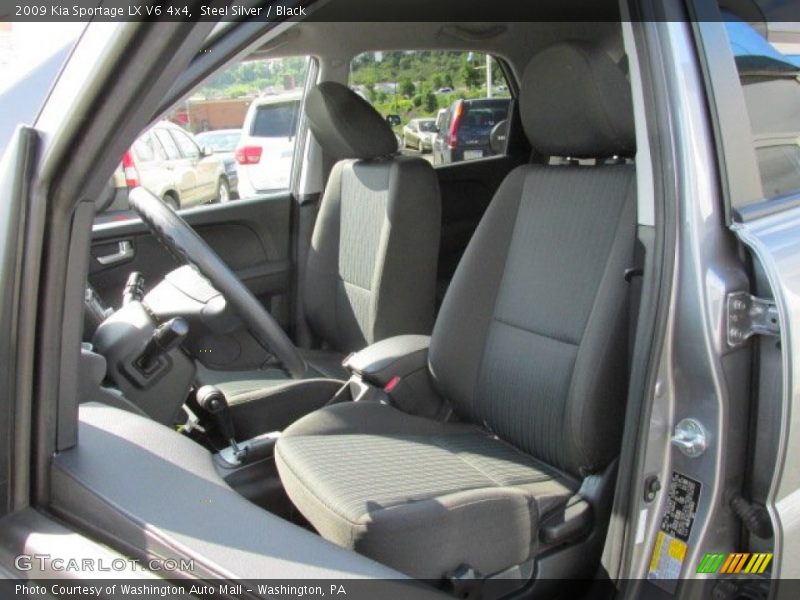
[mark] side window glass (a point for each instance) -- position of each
(246, 119)
(416, 91)
(770, 76)
(145, 148)
(186, 145)
(168, 144)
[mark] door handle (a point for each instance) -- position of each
(124, 252)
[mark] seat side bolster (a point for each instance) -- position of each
(597, 394)
(322, 263)
(405, 274)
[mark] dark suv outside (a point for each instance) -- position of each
(465, 127)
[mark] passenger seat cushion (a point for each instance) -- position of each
(422, 496)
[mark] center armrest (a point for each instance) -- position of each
(399, 365)
(396, 356)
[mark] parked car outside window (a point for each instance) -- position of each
(420, 88)
(419, 134)
(265, 150)
(167, 161)
(466, 129)
(222, 143)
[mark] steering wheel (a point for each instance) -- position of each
(190, 248)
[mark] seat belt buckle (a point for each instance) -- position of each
(392, 384)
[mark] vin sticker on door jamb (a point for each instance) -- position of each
(669, 550)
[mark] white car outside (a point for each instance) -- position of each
(264, 153)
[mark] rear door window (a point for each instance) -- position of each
(465, 95)
(168, 144)
(147, 149)
(186, 145)
(276, 120)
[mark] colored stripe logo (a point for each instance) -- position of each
(736, 562)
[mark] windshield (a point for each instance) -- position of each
(219, 141)
(31, 56)
(427, 126)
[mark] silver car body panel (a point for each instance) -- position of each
(690, 381)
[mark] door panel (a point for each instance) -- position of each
(208, 171)
(187, 182)
(251, 236)
(200, 171)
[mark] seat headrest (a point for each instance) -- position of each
(345, 124)
(575, 101)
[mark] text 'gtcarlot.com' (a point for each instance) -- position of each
(46, 562)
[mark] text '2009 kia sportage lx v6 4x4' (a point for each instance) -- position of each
(563, 369)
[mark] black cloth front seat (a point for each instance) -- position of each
(529, 348)
(371, 268)
(371, 271)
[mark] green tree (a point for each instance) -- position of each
(469, 75)
(430, 103)
(407, 87)
(370, 87)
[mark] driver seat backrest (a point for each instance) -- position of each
(371, 268)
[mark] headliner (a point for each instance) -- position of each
(514, 41)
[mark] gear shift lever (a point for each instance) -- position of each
(211, 399)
